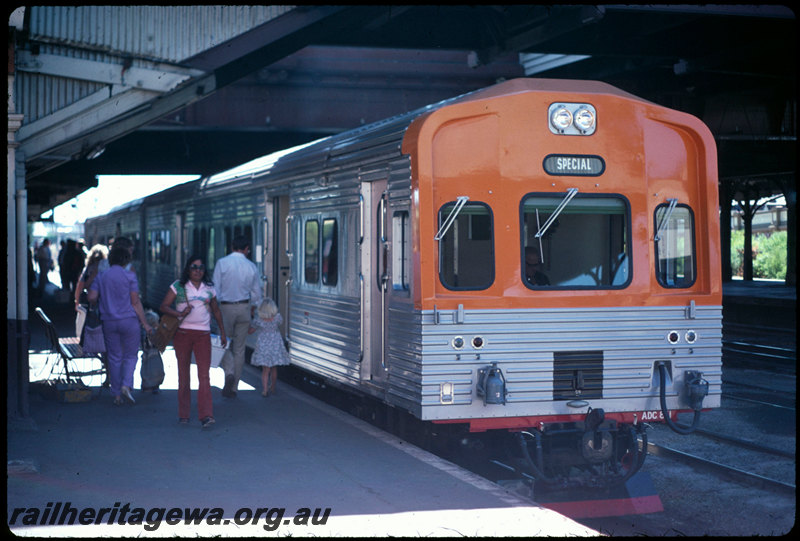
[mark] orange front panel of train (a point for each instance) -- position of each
(493, 152)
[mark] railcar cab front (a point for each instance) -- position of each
(556, 252)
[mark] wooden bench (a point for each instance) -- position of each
(68, 349)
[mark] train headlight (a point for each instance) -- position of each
(457, 342)
(561, 118)
(572, 118)
(673, 337)
(584, 119)
(691, 337)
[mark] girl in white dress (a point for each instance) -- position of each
(270, 351)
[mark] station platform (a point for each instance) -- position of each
(760, 302)
(285, 465)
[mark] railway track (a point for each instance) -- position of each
(749, 478)
(741, 351)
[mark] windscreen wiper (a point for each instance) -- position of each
(672, 204)
(461, 201)
(570, 194)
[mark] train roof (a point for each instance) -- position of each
(327, 148)
(320, 153)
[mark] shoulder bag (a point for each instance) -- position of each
(167, 325)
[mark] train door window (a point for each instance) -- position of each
(247, 231)
(167, 249)
(136, 249)
(585, 245)
(198, 240)
(675, 249)
(466, 248)
(212, 246)
(311, 259)
(330, 251)
(401, 251)
(228, 239)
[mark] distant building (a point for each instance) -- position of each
(769, 218)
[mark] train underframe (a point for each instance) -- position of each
(594, 453)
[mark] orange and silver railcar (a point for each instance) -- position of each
(540, 258)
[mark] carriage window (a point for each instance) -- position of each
(466, 250)
(212, 246)
(158, 246)
(675, 252)
(312, 252)
(586, 246)
(401, 251)
(330, 250)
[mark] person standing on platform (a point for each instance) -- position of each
(239, 291)
(126, 243)
(118, 292)
(96, 262)
(195, 302)
(45, 259)
(63, 268)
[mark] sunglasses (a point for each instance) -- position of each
(198, 267)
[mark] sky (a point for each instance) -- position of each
(112, 191)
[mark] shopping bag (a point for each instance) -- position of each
(80, 319)
(93, 341)
(217, 352)
(152, 371)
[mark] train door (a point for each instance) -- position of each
(275, 262)
(374, 279)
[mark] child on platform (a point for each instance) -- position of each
(270, 351)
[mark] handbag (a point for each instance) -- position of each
(167, 326)
(92, 341)
(152, 371)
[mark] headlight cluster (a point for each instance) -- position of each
(572, 118)
(673, 337)
(477, 342)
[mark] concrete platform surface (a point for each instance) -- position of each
(286, 465)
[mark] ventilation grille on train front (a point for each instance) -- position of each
(577, 374)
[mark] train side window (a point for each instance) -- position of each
(330, 252)
(167, 247)
(311, 259)
(151, 246)
(586, 246)
(466, 250)
(401, 251)
(212, 246)
(676, 264)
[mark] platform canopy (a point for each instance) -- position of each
(199, 89)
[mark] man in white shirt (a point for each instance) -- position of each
(238, 286)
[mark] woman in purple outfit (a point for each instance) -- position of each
(118, 292)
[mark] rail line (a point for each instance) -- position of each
(748, 478)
